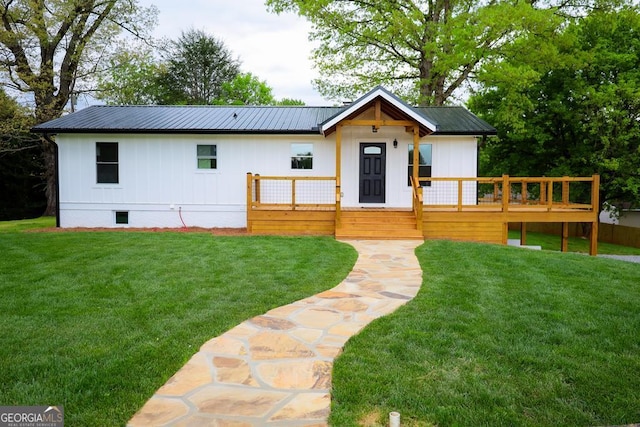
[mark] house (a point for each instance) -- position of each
(349, 171)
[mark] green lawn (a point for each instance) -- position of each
(98, 321)
(500, 336)
(576, 244)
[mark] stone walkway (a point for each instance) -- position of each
(275, 369)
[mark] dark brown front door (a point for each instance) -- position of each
(372, 172)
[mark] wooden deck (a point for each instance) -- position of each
(469, 209)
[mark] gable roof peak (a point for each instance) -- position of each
(397, 104)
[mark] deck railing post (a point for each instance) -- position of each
(420, 208)
(257, 179)
(565, 190)
(338, 202)
(595, 206)
(459, 195)
(506, 192)
(550, 195)
(293, 194)
(506, 196)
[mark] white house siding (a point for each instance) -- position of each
(452, 156)
(159, 179)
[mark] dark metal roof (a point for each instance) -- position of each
(190, 119)
(238, 120)
(456, 121)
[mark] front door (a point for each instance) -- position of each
(372, 172)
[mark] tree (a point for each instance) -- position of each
(137, 76)
(132, 78)
(246, 89)
(21, 163)
(581, 115)
(424, 50)
(290, 101)
(49, 48)
(197, 67)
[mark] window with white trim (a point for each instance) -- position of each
(424, 164)
(107, 163)
(301, 156)
(207, 157)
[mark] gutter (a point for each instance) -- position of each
(47, 136)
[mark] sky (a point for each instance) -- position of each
(273, 47)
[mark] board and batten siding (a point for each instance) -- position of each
(158, 177)
(452, 156)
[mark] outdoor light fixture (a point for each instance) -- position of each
(374, 129)
(395, 143)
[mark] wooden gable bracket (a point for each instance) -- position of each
(378, 114)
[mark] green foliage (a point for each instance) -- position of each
(53, 49)
(245, 89)
(132, 78)
(290, 101)
(197, 67)
(576, 114)
(21, 163)
(107, 322)
(424, 51)
(499, 336)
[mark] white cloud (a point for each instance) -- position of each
(273, 47)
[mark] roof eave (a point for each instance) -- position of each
(378, 92)
(465, 133)
(57, 131)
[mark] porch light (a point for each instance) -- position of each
(395, 143)
(374, 129)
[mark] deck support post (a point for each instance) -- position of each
(564, 246)
(595, 207)
(523, 234)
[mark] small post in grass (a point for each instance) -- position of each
(394, 419)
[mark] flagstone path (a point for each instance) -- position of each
(275, 369)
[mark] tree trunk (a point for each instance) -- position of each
(50, 107)
(51, 178)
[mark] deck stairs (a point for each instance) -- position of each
(383, 224)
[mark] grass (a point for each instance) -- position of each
(576, 244)
(500, 336)
(98, 321)
(27, 224)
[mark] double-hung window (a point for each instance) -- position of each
(424, 164)
(107, 162)
(207, 157)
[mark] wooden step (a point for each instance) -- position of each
(378, 224)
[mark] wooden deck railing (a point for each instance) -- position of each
(292, 192)
(508, 193)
